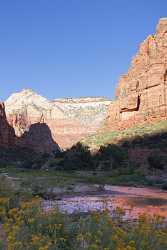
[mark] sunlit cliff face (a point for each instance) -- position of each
(69, 120)
(142, 92)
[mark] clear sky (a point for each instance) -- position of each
(71, 48)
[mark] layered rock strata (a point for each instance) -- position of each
(141, 94)
(69, 120)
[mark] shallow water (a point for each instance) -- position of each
(135, 201)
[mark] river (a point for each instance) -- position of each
(135, 201)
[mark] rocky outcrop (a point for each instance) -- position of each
(7, 135)
(39, 139)
(141, 95)
(69, 120)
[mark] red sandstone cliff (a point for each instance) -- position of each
(37, 138)
(142, 92)
(69, 120)
(141, 96)
(7, 135)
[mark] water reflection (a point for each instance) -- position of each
(135, 201)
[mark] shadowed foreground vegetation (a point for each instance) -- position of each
(137, 159)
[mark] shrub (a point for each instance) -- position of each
(2, 246)
(157, 161)
(28, 227)
(77, 158)
(112, 156)
(7, 186)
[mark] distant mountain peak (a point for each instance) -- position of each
(28, 90)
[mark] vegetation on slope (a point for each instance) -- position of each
(137, 156)
(108, 136)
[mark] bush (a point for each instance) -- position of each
(77, 158)
(157, 161)
(7, 186)
(2, 246)
(28, 227)
(111, 157)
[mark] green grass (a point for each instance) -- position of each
(39, 181)
(104, 138)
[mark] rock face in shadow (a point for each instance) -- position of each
(68, 119)
(7, 134)
(142, 92)
(39, 139)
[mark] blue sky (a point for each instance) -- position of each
(71, 48)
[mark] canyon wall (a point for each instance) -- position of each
(7, 134)
(141, 95)
(69, 120)
(37, 138)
